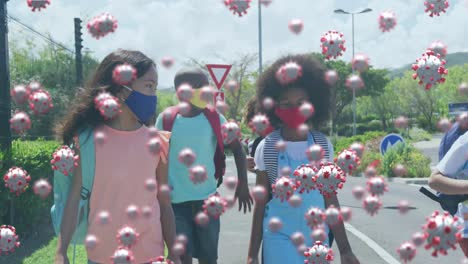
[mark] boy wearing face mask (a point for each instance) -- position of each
(200, 131)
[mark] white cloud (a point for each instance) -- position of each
(204, 28)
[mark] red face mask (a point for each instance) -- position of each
(292, 117)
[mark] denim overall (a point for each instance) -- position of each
(278, 247)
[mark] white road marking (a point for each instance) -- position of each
(372, 244)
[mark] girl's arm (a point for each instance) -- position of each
(444, 184)
(167, 214)
(256, 234)
(70, 212)
(338, 230)
(242, 190)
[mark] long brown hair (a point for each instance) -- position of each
(83, 113)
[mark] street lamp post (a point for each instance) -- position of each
(341, 11)
(259, 37)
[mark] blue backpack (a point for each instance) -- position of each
(62, 186)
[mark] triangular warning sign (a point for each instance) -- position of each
(219, 73)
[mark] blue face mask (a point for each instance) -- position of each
(142, 105)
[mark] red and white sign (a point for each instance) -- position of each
(219, 96)
(218, 73)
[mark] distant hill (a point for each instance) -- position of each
(457, 58)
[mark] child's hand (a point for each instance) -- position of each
(250, 164)
(253, 260)
(243, 195)
(174, 259)
(349, 258)
(61, 259)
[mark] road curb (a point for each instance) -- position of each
(419, 181)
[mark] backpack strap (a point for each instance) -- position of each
(219, 157)
(321, 139)
(270, 155)
(88, 162)
(169, 117)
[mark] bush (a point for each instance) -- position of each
(366, 139)
(34, 157)
(414, 161)
(419, 134)
(368, 157)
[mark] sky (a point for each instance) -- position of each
(207, 31)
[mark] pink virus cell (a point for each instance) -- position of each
(215, 205)
(289, 72)
(358, 192)
(198, 174)
(377, 186)
(101, 97)
(438, 47)
(407, 251)
(42, 188)
(436, 7)
(387, 21)
(360, 62)
(401, 122)
(260, 125)
(463, 88)
(19, 94)
(16, 180)
(161, 260)
(297, 238)
(372, 204)
(38, 4)
(122, 255)
(40, 102)
(315, 153)
(283, 188)
(230, 201)
(333, 215)
(124, 74)
(329, 179)
(318, 253)
(268, 103)
(358, 148)
(332, 44)
(348, 161)
(151, 184)
(127, 236)
(230, 182)
(318, 234)
(103, 218)
(305, 175)
(9, 240)
(20, 122)
(181, 238)
(102, 25)
(133, 211)
(64, 160)
(187, 157)
(238, 7)
(154, 146)
(331, 77)
(167, 61)
(442, 232)
(207, 94)
(109, 107)
(281, 145)
(296, 26)
(266, 3)
(164, 191)
(314, 217)
(259, 193)
(303, 130)
(399, 170)
(231, 132)
(354, 82)
(346, 213)
(147, 212)
(444, 125)
(184, 108)
(185, 92)
(91, 241)
(232, 86)
(295, 201)
(418, 238)
(202, 219)
(275, 224)
(403, 206)
(178, 249)
(370, 172)
(100, 137)
(34, 86)
(221, 106)
(307, 109)
(430, 69)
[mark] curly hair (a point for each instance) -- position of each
(250, 110)
(312, 82)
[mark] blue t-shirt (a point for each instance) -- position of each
(194, 133)
(449, 138)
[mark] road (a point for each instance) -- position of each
(373, 239)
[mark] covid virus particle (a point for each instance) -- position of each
(34, 86)
(418, 238)
(184, 108)
(40, 102)
(348, 161)
(259, 193)
(463, 88)
(185, 92)
(147, 212)
(231, 132)
(304, 175)
(215, 206)
(370, 172)
(64, 160)
(354, 82)
(444, 125)
(198, 174)
(435, 7)
(399, 170)
(346, 213)
(438, 47)
(19, 94)
(103, 218)
(38, 4)
(151, 184)
(372, 204)
(296, 26)
(332, 44)
(8, 239)
(307, 109)
(315, 153)
(318, 253)
(221, 106)
(202, 219)
(127, 236)
(314, 217)
(207, 94)
(442, 232)
(20, 122)
(401, 122)
(297, 238)
(333, 215)
(407, 251)
(109, 107)
(268, 103)
(358, 192)
(360, 62)
(238, 7)
(154, 146)
(122, 255)
(187, 157)
(230, 182)
(283, 188)
(100, 137)
(331, 77)
(377, 186)
(387, 21)
(16, 180)
(275, 224)
(124, 74)
(42, 188)
(232, 85)
(295, 200)
(329, 179)
(167, 61)
(403, 206)
(318, 233)
(161, 260)
(100, 26)
(133, 212)
(358, 148)
(430, 69)
(289, 72)
(91, 242)
(260, 125)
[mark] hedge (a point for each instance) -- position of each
(34, 157)
(416, 164)
(368, 137)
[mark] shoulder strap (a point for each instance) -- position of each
(220, 163)
(169, 117)
(88, 161)
(321, 139)
(270, 155)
